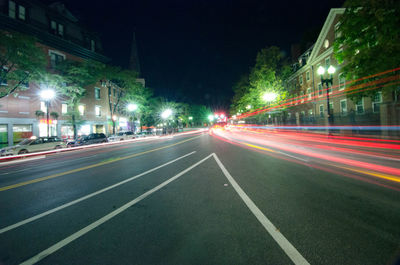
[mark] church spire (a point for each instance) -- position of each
(134, 58)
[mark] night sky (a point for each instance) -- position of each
(194, 51)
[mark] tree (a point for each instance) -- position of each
(21, 61)
(267, 75)
(368, 38)
(72, 82)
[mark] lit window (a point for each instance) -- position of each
(43, 106)
(309, 95)
(376, 103)
(342, 81)
(97, 93)
(97, 110)
(343, 106)
(360, 106)
(310, 112)
(64, 108)
(21, 12)
(81, 109)
(11, 9)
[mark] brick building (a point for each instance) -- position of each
(61, 37)
(310, 104)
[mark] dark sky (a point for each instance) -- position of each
(194, 50)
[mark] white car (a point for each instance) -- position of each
(122, 136)
(33, 144)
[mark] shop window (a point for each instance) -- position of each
(21, 131)
(3, 135)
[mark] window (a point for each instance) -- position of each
(55, 58)
(53, 26)
(64, 108)
(11, 9)
(114, 90)
(301, 80)
(376, 103)
(331, 107)
(302, 96)
(308, 75)
(92, 45)
(309, 95)
(57, 28)
(21, 12)
(43, 106)
(327, 62)
(81, 109)
(320, 92)
(310, 112)
(342, 81)
(338, 33)
(360, 106)
(97, 93)
(343, 107)
(97, 110)
(321, 111)
(60, 30)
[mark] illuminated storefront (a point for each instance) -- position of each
(43, 127)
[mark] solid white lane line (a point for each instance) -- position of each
(292, 156)
(33, 218)
(286, 246)
(105, 218)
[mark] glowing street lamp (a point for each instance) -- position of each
(210, 117)
(47, 95)
(190, 118)
(269, 96)
(328, 82)
(132, 107)
(248, 107)
(166, 114)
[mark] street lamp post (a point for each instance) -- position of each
(268, 97)
(165, 115)
(132, 107)
(47, 95)
(327, 82)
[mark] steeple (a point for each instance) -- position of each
(134, 58)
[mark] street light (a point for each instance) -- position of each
(327, 82)
(248, 107)
(210, 117)
(166, 113)
(132, 107)
(269, 96)
(47, 95)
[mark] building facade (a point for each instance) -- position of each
(61, 37)
(311, 96)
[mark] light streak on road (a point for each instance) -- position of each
(377, 158)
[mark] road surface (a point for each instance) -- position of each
(226, 198)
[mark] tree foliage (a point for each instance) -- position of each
(368, 37)
(267, 75)
(21, 61)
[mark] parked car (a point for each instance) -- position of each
(122, 136)
(93, 138)
(33, 144)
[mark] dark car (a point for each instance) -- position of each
(93, 138)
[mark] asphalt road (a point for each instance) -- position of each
(202, 199)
